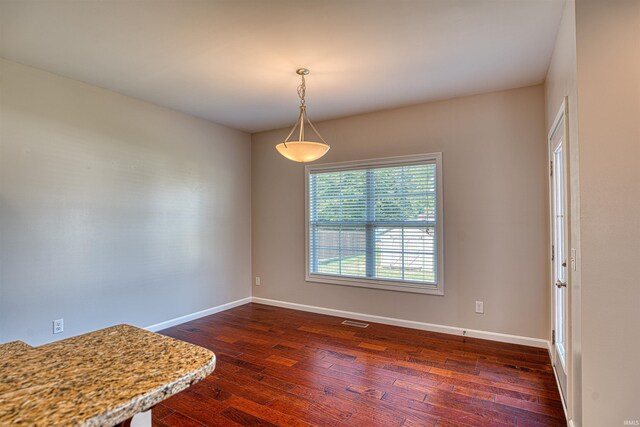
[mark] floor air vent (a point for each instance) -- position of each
(356, 324)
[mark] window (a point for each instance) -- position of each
(376, 223)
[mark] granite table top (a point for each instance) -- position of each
(97, 379)
(13, 348)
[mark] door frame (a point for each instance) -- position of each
(561, 117)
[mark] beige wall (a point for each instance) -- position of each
(495, 215)
(561, 83)
(608, 69)
(113, 210)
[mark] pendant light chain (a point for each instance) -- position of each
(302, 90)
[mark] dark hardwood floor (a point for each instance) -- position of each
(290, 368)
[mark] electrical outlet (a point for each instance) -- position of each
(257, 280)
(58, 326)
(479, 307)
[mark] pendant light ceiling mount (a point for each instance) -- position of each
(302, 150)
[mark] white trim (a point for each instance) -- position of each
(412, 324)
(561, 118)
(550, 350)
(493, 336)
(187, 317)
(561, 114)
(376, 283)
(389, 285)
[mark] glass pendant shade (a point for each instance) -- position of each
(302, 151)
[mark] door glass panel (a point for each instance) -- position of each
(560, 240)
(560, 250)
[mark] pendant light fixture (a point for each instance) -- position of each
(302, 150)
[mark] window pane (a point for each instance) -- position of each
(419, 259)
(339, 196)
(339, 250)
(388, 250)
(406, 254)
(405, 193)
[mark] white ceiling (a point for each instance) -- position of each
(233, 61)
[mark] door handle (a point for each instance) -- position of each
(560, 284)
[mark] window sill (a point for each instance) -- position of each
(388, 285)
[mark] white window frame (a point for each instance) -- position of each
(387, 284)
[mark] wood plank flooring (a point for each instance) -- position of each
(280, 367)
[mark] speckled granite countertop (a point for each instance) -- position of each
(97, 379)
(13, 348)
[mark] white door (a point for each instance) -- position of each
(560, 237)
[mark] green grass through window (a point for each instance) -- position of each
(355, 266)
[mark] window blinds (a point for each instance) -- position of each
(375, 222)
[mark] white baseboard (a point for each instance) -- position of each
(197, 315)
(550, 349)
(493, 336)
